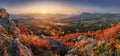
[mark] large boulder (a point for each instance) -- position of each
(56, 46)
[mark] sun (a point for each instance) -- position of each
(43, 11)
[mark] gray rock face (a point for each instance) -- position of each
(8, 23)
(56, 45)
(18, 49)
(15, 48)
(91, 43)
(72, 51)
(9, 46)
(94, 43)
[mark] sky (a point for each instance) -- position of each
(60, 6)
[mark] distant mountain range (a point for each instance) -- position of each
(41, 16)
(86, 15)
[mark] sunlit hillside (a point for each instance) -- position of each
(59, 28)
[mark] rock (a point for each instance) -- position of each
(43, 36)
(81, 38)
(8, 45)
(94, 43)
(18, 49)
(3, 13)
(41, 52)
(56, 45)
(8, 23)
(4, 45)
(25, 51)
(72, 51)
(15, 47)
(30, 32)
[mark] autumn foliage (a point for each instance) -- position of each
(23, 29)
(106, 34)
(109, 33)
(36, 41)
(67, 39)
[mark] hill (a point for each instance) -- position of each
(18, 39)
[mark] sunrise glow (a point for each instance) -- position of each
(43, 11)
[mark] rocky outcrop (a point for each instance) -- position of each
(10, 46)
(87, 46)
(11, 43)
(8, 23)
(56, 46)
